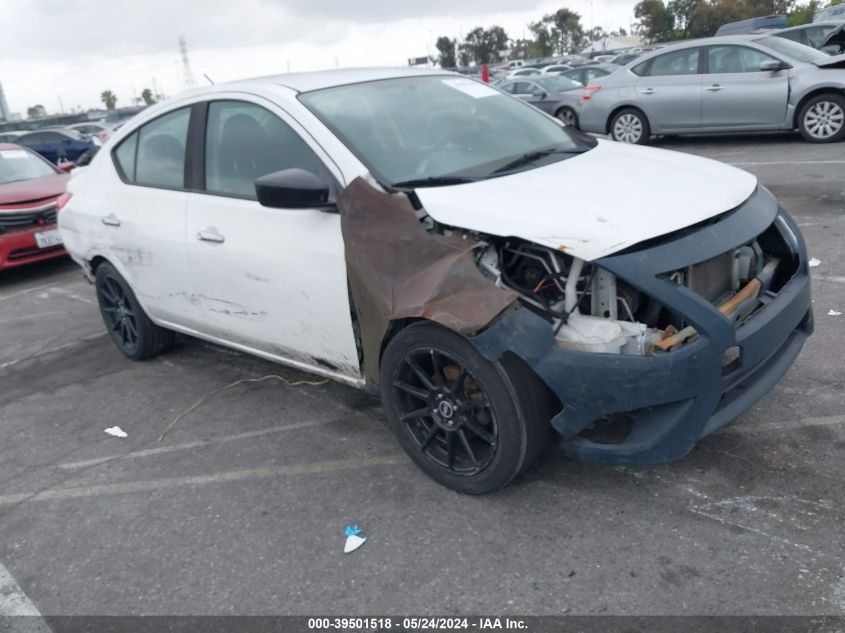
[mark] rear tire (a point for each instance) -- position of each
(128, 325)
(459, 417)
(568, 116)
(630, 125)
(822, 118)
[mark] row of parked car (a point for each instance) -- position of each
(764, 80)
(75, 143)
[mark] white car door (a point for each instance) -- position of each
(138, 220)
(266, 279)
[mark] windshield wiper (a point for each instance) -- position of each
(434, 181)
(531, 157)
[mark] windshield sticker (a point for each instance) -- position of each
(13, 153)
(474, 89)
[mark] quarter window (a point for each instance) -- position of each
(245, 141)
(125, 156)
(682, 62)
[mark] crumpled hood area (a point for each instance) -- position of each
(597, 203)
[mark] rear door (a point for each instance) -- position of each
(736, 93)
(669, 90)
(270, 280)
(138, 220)
(43, 143)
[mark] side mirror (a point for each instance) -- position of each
(771, 65)
(539, 94)
(66, 166)
(292, 189)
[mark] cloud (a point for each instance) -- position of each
(122, 27)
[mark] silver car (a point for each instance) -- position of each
(735, 83)
(558, 96)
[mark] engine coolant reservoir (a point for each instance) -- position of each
(591, 334)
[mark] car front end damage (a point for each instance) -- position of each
(647, 349)
(653, 348)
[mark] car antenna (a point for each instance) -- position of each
(209, 79)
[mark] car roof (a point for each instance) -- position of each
(833, 23)
(317, 80)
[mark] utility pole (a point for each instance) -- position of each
(61, 105)
(188, 74)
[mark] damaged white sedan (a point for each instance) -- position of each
(429, 238)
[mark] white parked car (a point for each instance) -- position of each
(427, 237)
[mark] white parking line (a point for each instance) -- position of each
(830, 420)
(57, 348)
(199, 443)
(13, 601)
(26, 290)
(314, 468)
(789, 162)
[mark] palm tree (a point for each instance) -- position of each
(109, 98)
(147, 96)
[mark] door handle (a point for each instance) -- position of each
(110, 220)
(714, 88)
(211, 235)
(647, 91)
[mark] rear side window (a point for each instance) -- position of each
(244, 142)
(155, 154)
(682, 62)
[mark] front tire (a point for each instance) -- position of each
(630, 126)
(128, 325)
(822, 119)
(455, 414)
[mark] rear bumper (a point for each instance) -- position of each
(18, 248)
(670, 399)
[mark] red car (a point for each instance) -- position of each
(32, 191)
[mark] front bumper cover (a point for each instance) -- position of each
(673, 398)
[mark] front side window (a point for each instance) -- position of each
(682, 62)
(735, 59)
(244, 142)
(430, 128)
(160, 151)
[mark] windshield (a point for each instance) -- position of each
(19, 164)
(558, 83)
(793, 50)
(438, 127)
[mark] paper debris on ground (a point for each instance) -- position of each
(353, 539)
(834, 313)
(813, 262)
(116, 431)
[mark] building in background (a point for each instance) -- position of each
(5, 115)
(613, 44)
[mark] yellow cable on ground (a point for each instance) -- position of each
(193, 407)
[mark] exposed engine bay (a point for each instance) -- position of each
(593, 311)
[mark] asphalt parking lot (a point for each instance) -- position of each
(241, 509)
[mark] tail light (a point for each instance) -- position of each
(589, 91)
(62, 200)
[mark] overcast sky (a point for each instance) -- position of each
(75, 49)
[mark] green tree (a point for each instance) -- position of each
(803, 13)
(109, 99)
(36, 111)
(541, 45)
(682, 12)
(484, 46)
(147, 96)
(567, 32)
(656, 22)
(446, 49)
